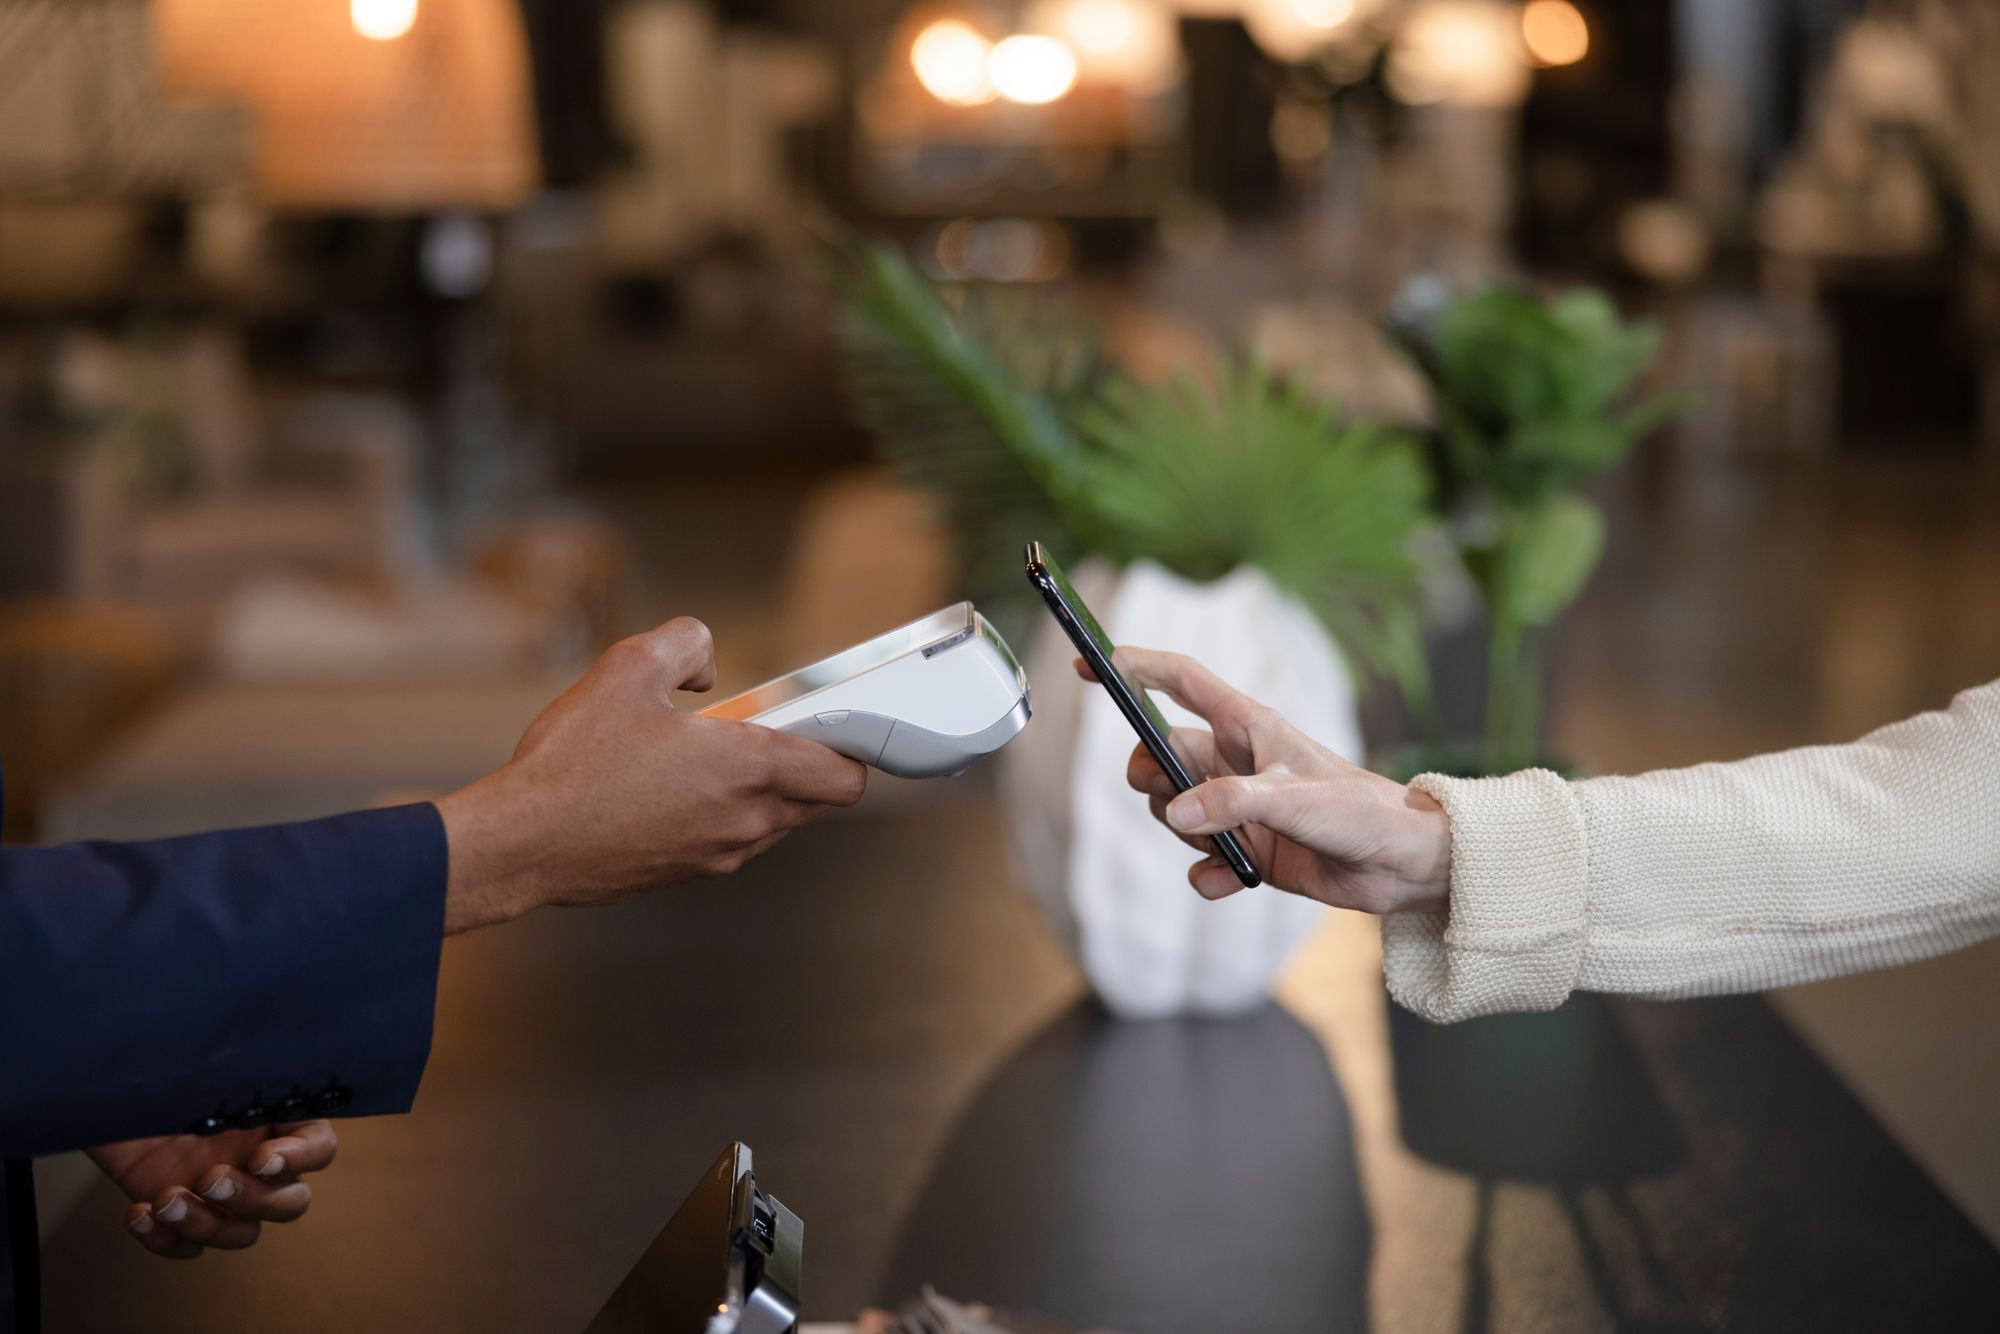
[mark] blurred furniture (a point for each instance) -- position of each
(452, 628)
(667, 310)
(323, 696)
(71, 675)
(246, 754)
(537, 594)
(569, 571)
(162, 477)
(1768, 371)
(336, 499)
(710, 117)
(874, 1010)
(1885, 213)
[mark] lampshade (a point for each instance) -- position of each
(438, 116)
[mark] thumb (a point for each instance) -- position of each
(1233, 801)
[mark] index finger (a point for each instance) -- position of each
(1188, 684)
(808, 772)
(305, 1146)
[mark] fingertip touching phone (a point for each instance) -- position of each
(1096, 648)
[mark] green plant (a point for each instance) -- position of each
(1249, 470)
(1007, 413)
(971, 406)
(1012, 420)
(1534, 399)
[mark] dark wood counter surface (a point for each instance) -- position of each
(879, 1015)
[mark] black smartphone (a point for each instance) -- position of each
(1152, 726)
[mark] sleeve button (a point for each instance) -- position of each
(253, 1116)
(334, 1101)
(211, 1125)
(294, 1108)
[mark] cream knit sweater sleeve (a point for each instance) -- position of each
(1721, 878)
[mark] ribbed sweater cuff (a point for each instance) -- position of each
(1512, 938)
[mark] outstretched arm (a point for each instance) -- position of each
(1509, 893)
(1720, 878)
(223, 983)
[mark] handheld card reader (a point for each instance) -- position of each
(727, 1262)
(921, 701)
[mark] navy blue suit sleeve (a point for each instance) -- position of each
(146, 987)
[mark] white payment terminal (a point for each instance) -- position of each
(921, 701)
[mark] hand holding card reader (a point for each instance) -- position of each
(728, 1262)
(923, 700)
(1095, 647)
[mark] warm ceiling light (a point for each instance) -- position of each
(1133, 45)
(1462, 52)
(950, 60)
(1324, 13)
(1554, 32)
(383, 20)
(1102, 27)
(1032, 69)
(1295, 31)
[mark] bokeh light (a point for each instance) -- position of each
(1131, 43)
(950, 60)
(1102, 27)
(1031, 68)
(1323, 13)
(1459, 52)
(383, 20)
(1297, 30)
(1555, 32)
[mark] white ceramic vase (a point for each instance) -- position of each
(1110, 880)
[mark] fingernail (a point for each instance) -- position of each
(223, 1189)
(272, 1167)
(175, 1209)
(142, 1224)
(1185, 812)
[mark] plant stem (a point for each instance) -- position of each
(1420, 701)
(1503, 652)
(1503, 648)
(1527, 714)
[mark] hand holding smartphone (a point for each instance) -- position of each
(1145, 717)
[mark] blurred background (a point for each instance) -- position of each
(365, 368)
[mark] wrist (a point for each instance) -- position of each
(491, 873)
(1426, 869)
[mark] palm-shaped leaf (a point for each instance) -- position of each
(1253, 472)
(968, 405)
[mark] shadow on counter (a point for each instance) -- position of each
(1153, 1177)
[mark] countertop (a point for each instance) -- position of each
(924, 1081)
